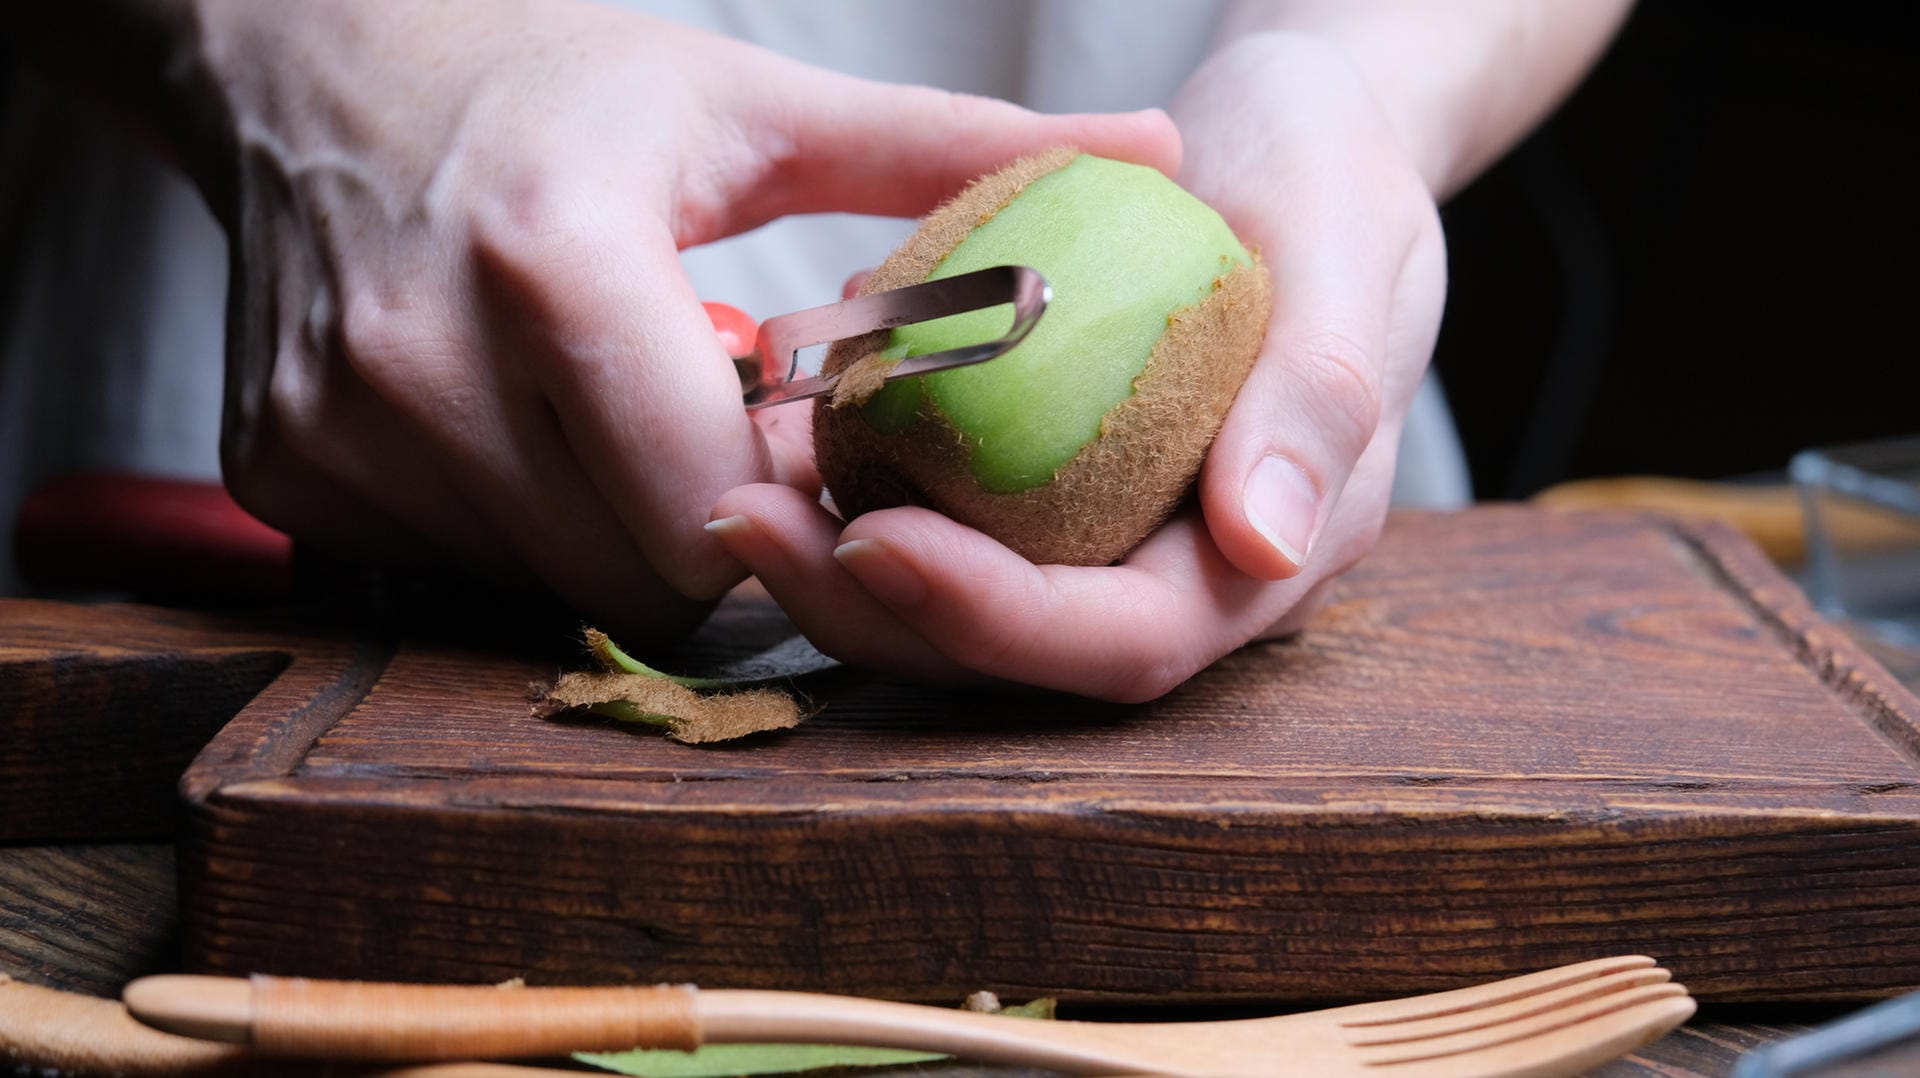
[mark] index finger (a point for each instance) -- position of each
(646, 397)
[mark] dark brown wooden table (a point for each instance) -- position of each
(89, 917)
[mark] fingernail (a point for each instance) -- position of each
(1282, 506)
(882, 572)
(728, 527)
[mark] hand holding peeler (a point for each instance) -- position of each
(118, 532)
(769, 368)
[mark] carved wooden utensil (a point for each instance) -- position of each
(1557, 1022)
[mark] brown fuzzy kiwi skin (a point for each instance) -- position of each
(1122, 484)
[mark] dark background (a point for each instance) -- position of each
(1704, 262)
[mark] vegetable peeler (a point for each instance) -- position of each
(768, 368)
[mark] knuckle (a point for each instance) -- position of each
(399, 350)
(1001, 638)
(1430, 231)
(966, 110)
(989, 645)
(704, 577)
(292, 416)
(374, 334)
(966, 117)
(544, 266)
(525, 222)
(1427, 251)
(1151, 665)
(1343, 382)
(1150, 679)
(1151, 675)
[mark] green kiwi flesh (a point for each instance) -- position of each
(1074, 445)
(1123, 247)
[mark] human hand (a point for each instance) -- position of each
(1283, 137)
(459, 330)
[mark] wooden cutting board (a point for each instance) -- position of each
(1514, 739)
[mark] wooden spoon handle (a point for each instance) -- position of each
(353, 1020)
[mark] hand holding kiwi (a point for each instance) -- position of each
(1297, 155)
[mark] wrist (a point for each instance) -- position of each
(1424, 82)
(1277, 110)
(1348, 87)
(1459, 85)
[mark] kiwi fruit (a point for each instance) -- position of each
(1077, 443)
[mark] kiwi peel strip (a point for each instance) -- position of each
(628, 690)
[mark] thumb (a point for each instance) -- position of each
(1311, 406)
(883, 148)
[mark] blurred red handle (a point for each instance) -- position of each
(106, 531)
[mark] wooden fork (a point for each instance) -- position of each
(1558, 1022)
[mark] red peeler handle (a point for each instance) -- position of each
(740, 336)
(736, 328)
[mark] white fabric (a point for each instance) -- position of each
(110, 344)
(1050, 55)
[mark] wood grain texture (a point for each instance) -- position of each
(1515, 739)
(87, 918)
(102, 707)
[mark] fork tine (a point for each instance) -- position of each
(1417, 1008)
(1536, 1026)
(1513, 1010)
(1574, 1050)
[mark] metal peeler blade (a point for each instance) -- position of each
(781, 338)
